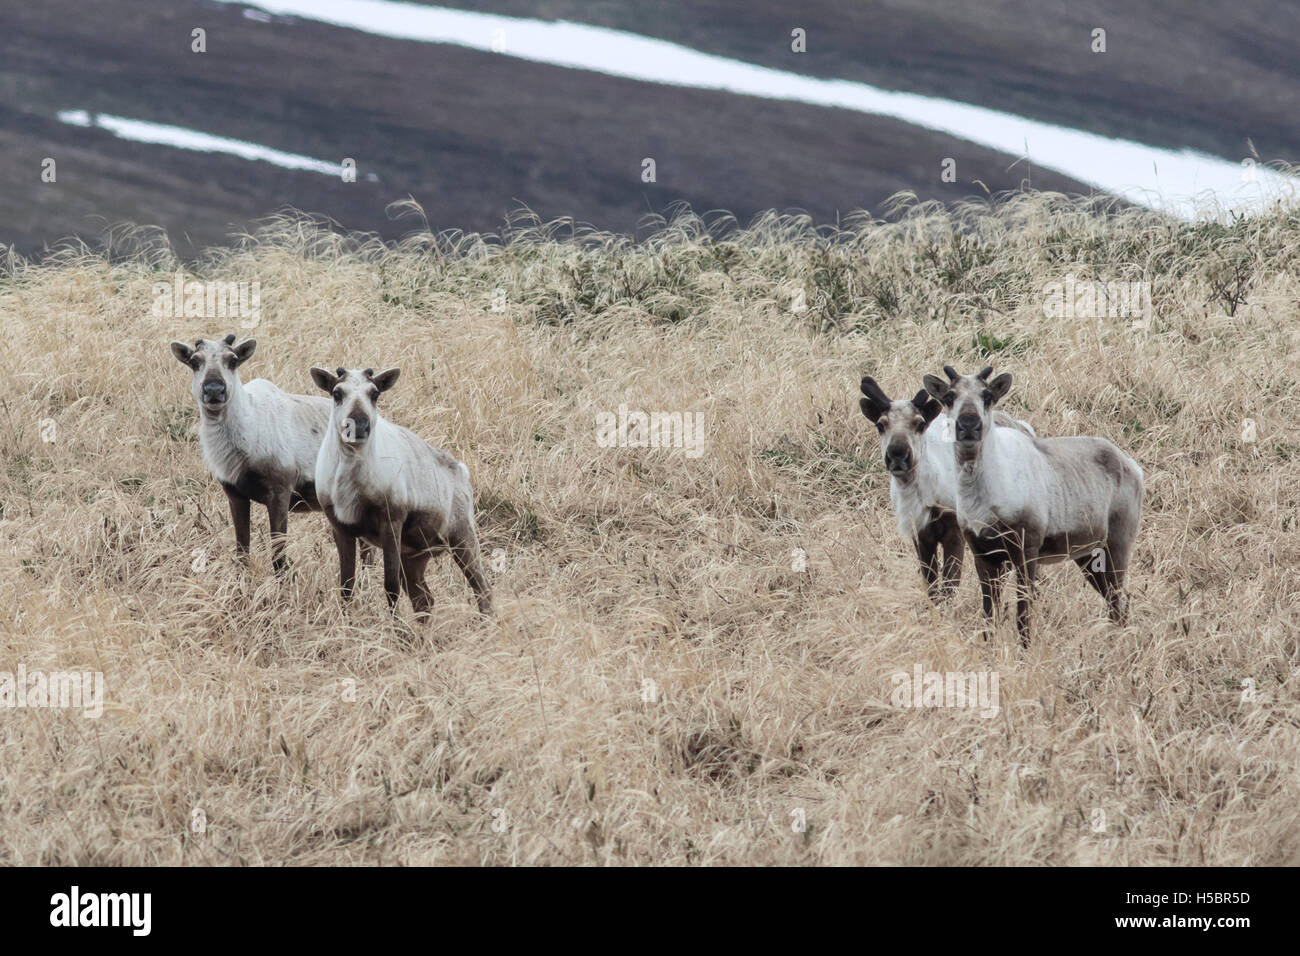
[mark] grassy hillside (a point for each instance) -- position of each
(529, 738)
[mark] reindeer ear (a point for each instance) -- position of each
(876, 402)
(386, 379)
(325, 379)
(182, 352)
(244, 350)
(1000, 386)
(926, 405)
(937, 386)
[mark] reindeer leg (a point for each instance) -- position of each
(1116, 566)
(1096, 578)
(413, 581)
(239, 515)
(927, 547)
(988, 556)
(1116, 599)
(1108, 579)
(465, 550)
(991, 581)
(1122, 533)
(347, 549)
(390, 538)
(278, 501)
(954, 550)
(1024, 556)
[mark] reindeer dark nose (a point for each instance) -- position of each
(214, 392)
(969, 427)
(898, 458)
(360, 427)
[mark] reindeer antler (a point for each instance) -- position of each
(874, 392)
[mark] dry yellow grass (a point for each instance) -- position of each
(527, 739)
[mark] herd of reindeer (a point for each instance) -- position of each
(961, 475)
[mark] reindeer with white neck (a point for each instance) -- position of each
(258, 441)
(1026, 501)
(383, 484)
(915, 440)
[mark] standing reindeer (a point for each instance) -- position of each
(1023, 500)
(258, 441)
(384, 484)
(914, 439)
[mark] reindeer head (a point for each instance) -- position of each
(356, 396)
(969, 400)
(901, 425)
(215, 363)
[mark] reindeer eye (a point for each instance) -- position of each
(196, 363)
(374, 394)
(338, 395)
(950, 398)
(987, 396)
(230, 363)
(880, 427)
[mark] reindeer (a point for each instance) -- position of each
(1025, 501)
(258, 441)
(914, 440)
(381, 483)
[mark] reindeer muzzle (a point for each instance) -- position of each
(214, 393)
(968, 428)
(355, 429)
(898, 460)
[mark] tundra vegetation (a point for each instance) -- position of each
(661, 683)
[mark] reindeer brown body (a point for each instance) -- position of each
(380, 483)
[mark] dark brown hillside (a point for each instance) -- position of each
(468, 134)
(1176, 73)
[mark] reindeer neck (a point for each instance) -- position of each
(233, 428)
(912, 489)
(353, 457)
(225, 442)
(970, 472)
